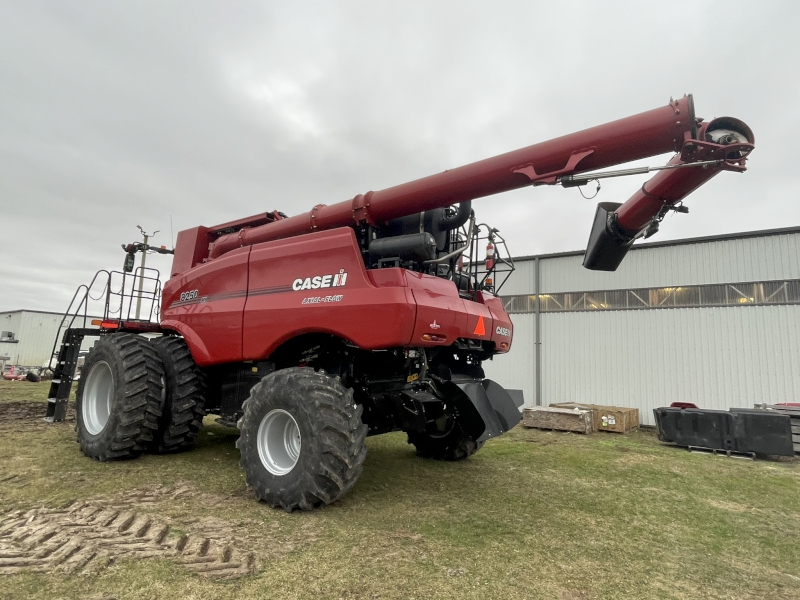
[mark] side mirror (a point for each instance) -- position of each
(130, 258)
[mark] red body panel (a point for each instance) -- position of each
(210, 314)
(503, 330)
(440, 310)
(365, 315)
(244, 305)
(190, 249)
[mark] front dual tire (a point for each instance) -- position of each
(302, 439)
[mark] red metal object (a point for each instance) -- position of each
(489, 256)
(14, 375)
(683, 405)
(247, 306)
(647, 134)
(310, 333)
(242, 289)
(670, 187)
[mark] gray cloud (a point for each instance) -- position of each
(114, 115)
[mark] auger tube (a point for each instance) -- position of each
(616, 226)
(658, 131)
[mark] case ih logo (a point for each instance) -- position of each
(503, 331)
(320, 281)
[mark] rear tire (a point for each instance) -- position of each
(453, 445)
(302, 439)
(182, 406)
(118, 397)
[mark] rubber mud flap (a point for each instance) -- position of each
(491, 410)
(517, 396)
(605, 250)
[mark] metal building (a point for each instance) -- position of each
(713, 320)
(26, 337)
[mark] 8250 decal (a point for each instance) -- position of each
(186, 296)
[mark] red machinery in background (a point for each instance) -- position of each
(367, 316)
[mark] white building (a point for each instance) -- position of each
(714, 321)
(27, 336)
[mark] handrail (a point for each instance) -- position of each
(124, 293)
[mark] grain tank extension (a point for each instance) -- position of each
(371, 315)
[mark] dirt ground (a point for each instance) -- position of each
(88, 536)
(29, 413)
(92, 534)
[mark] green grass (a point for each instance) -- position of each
(23, 391)
(533, 515)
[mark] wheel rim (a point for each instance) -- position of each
(450, 424)
(97, 394)
(278, 442)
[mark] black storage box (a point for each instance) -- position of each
(740, 430)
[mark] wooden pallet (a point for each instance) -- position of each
(718, 452)
(558, 419)
(617, 419)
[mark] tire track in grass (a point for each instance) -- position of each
(89, 536)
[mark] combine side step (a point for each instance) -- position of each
(64, 373)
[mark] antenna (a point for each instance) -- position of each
(146, 237)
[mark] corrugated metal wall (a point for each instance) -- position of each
(517, 369)
(35, 332)
(714, 357)
(10, 321)
(36, 335)
(723, 261)
(521, 280)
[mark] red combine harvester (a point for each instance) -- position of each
(372, 315)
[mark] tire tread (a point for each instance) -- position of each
(138, 407)
(184, 405)
(337, 440)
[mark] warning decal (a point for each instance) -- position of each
(479, 328)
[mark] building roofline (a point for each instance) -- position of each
(678, 242)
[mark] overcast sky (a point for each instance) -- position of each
(117, 114)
